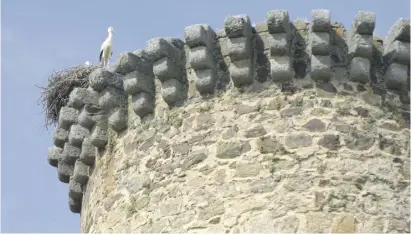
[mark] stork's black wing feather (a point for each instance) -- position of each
(101, 54)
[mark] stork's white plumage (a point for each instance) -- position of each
(88, 64)
(106, 50)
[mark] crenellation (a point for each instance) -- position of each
(89, 115)
(141, 86)
(128, 62)
(298, 150)
(360, 46)
(75, 190)
(99, 134)
(399, 31)
(137, 82)
(81, 172)
(118, 120)
(396, 76)
(88, 152)
(67, 117)
(60, 136)
(279, 42)
(111, 98)
(75, 205)
(70, 153)
(321, 67)
(171, 91)
(64, 171)
(360, 69)
(201, 39)
(54, 154)
(143, 104)
(100, 78)
(77, 135)
(82, 96)
(320, 45)
(168, 67)
(240, 48)
(397, 56)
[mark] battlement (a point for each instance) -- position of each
(274, 57)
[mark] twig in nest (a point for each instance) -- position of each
(60, 84)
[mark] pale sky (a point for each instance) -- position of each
(41, 35)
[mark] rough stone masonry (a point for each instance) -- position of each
(282, 127)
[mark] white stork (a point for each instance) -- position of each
(106, 50)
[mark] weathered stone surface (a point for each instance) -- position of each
(330, 141)
(75, 205)
(315, 125)
(88, 152)
(320, 20)
(344, 224)
(81, 96)
(89, 115)
(64, 171)
(360, 45)
(67, 117)
(396, 76)
(172, 91)
(128, 62)
(70, 153)
(271, 145)
(60, 136)
(53, 155)
(360, 70)
(165, 68)
(399, 31)
(281, 69)
(278, 44)
(100, 78)
(298, 140)
(111, 98)
(158, 48)
(99, 137)
(248, 169)
(239, 48)
(75, 190)
(359, 141)
(143, 104)
(321, 68)
(241, 72)
(205, 80)
(291, 112)
(136, 82)
(193, 159)
(198, 35)
(201, 57)
(227, 150)
(255, 132)
(81, 172)
(77, 135)
(320, 43)
(213, 209)
(237, 26)
(118, 120)
(278, 21)
(398, 52)
(364, 23)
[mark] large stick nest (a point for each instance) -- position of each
(59, 86)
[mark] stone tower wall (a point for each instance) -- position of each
(278, 127)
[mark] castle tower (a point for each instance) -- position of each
(281, 127)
